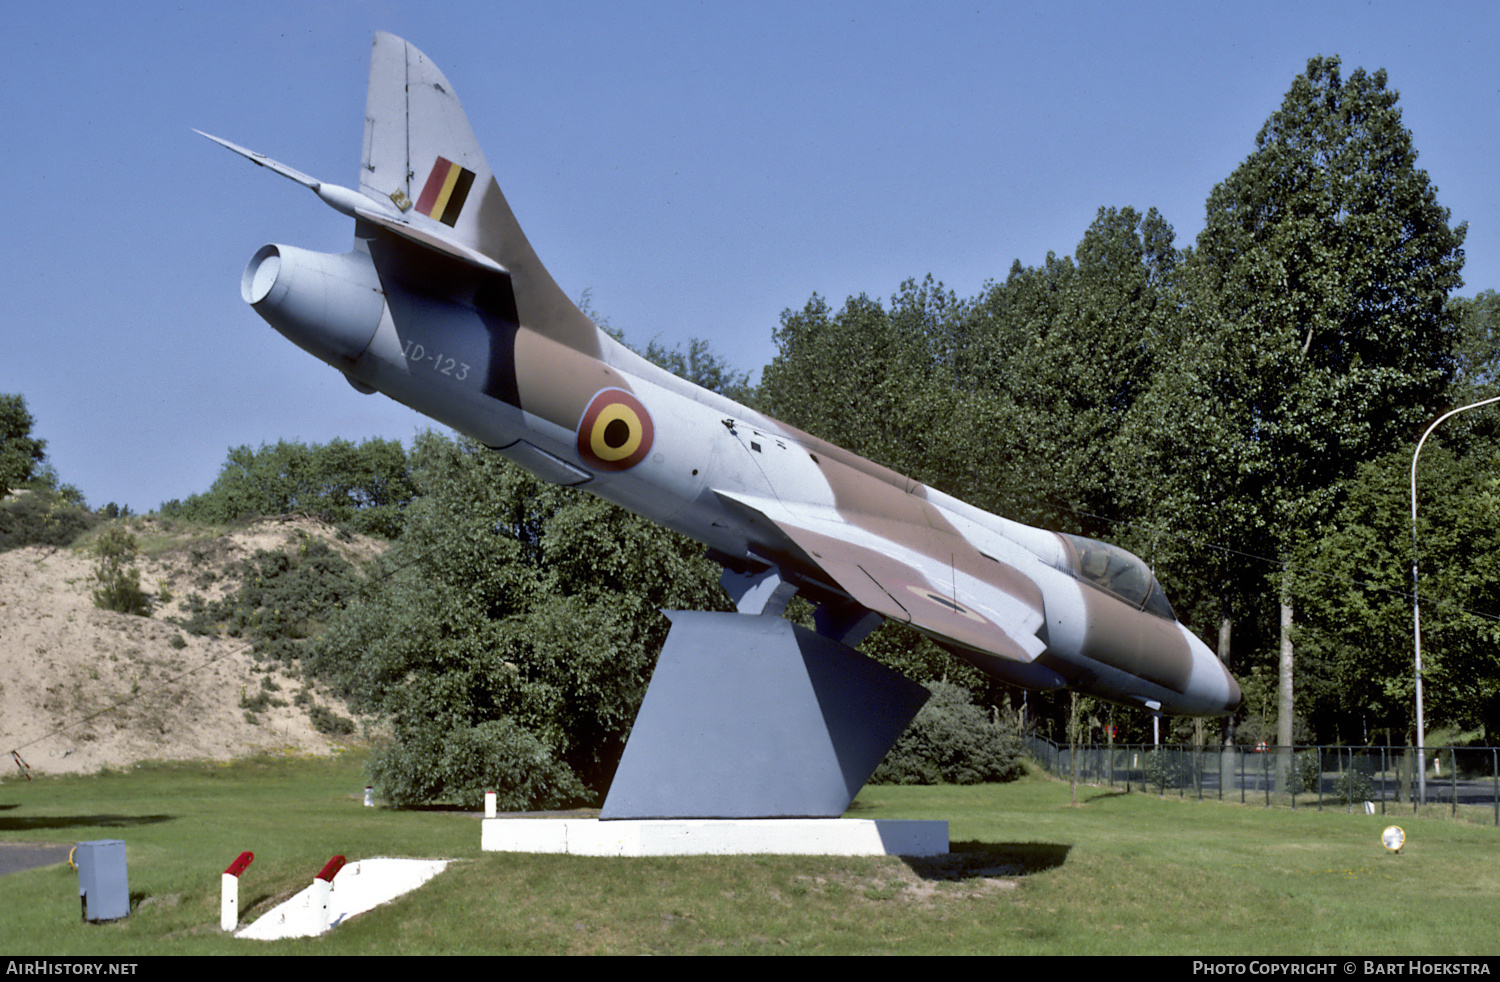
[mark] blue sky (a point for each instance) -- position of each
(698, 167)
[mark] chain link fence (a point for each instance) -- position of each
(1369, 780)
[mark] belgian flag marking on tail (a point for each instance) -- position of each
(444, 193)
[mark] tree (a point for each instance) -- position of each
(1331, 262)
(1083, 359)
(1355, 634)
(1477, 368)
(510, 633)
(864, 378)
(20, 452)
(1014, 402)
(702, 367)
(1313, 322)
(53, 513)
(364, 487)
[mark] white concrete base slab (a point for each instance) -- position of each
(358, 887)
(703, 837)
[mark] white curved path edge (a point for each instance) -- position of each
(358, 887)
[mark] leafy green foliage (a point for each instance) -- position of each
(952, 741)
(42, 517)
(1355, 633)
(262, 699)
(119, 580)
(1354, 784)
(1477, 356)
(20, 452)
(699, 365)
(283, 599)
(328, 722)
(1069, 349)
(1328, 264)
(509, 634)
(364, 488)
(44, 478)
(1018, 401)
(425, 765)
(1311, 332)
(44, 511)
(1169, 768)
(862, 378)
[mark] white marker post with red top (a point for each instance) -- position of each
(229, 891)
(323, 887)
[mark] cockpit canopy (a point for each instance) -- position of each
(1117, 572)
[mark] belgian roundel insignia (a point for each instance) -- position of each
(616, 432)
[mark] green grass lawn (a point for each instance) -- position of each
(1029, 874)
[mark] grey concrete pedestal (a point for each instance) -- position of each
(754, 717)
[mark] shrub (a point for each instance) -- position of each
(365, 487)
(282, 599)
(953, 741)
(328, 722)
(42, 517)
(1169, 769)
(119, 580)
(459, 766)
(1353, 785)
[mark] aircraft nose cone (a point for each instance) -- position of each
(1236, 697)
(1211, 688)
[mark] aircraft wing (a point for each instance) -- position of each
(935, 581)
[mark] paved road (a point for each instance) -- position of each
(17, 856)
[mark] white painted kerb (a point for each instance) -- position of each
(702, 837)
(358, 887)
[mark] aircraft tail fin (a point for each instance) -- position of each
(419, 151)
(420, 154)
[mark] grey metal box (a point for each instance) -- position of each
(103, 887)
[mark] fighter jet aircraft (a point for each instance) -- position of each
(443, 305)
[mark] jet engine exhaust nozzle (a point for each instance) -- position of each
(327, 304)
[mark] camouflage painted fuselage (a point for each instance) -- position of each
(444, 306)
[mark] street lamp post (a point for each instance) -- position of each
(1416, 608)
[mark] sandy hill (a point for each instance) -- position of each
(83, 688)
